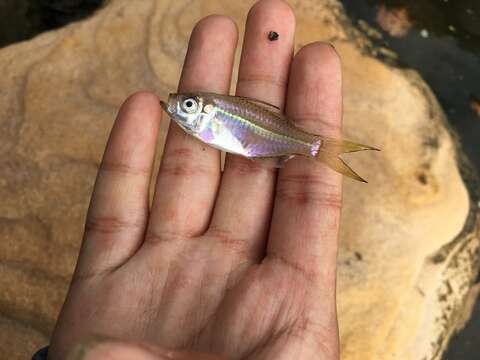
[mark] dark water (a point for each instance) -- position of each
(443, 45)
(438, 38)
(23, 19)
(441, 40)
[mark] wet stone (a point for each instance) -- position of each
(64, 88)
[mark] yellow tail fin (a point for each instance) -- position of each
(330, 150)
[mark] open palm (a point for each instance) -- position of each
(238, 264)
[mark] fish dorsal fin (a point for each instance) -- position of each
(272, 108)
(260, 102)
(275, 108)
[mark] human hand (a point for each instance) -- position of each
(240, 264)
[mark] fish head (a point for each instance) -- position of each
(185, 110)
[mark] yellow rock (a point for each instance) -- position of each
(408, 244)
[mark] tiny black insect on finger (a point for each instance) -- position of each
(273, 35)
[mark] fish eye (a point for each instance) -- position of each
(190, 105)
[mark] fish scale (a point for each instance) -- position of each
(258, 134)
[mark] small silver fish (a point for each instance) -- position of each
(254, 129)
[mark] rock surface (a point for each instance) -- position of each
(409, 240)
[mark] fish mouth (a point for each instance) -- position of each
(169, 106)
(164, 106)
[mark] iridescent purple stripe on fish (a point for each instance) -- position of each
(316, 147)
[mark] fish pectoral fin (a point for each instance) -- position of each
(272, 162)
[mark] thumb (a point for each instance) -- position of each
(100, 348)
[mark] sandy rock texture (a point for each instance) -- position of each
(409, 239)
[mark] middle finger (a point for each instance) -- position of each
(246, 192)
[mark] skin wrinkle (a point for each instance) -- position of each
(123, 169)
(278, 259)
(302, 179)
(234, 245)
(216, 320)
(302, 197)
(179, 169)
(182, 281)
(244, 166)
(154, 239)
(254, 352)
(103, 229)
(184, 152)
(162, 297)
(86, 276)
(183, 162)
(154, 307)
(195, 339)
(275, 334)
(268, 81)
(111, 225)
(300, 327)
(200, 315)
(320, 337)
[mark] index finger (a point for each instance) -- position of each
(189, 173)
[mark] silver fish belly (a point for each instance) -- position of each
(248, 130)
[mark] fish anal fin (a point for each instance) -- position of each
(272, 162)
(337, 164)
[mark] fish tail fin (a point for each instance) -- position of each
(330, 150)
(342, 146)
(337, 164)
